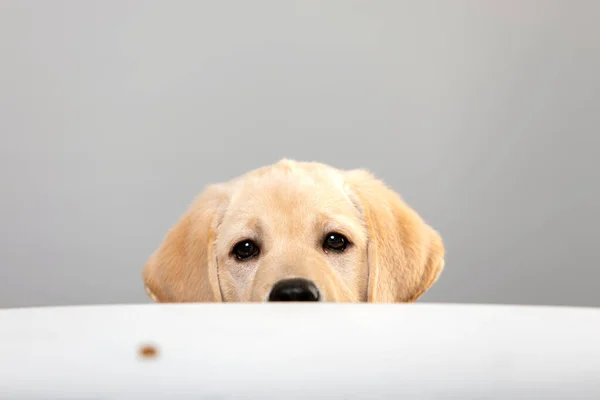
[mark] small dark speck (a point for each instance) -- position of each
(148, 351)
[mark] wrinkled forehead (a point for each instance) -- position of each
(291, 202)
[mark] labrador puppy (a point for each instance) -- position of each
(296, 231)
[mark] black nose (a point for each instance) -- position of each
(296, 289)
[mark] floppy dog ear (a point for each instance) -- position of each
(406, 256)
(183, 268)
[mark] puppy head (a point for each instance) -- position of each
(296, 231)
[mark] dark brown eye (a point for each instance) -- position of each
(245, 250)
(335, 242)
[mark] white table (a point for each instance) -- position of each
(284, 351)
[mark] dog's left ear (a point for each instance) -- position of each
(183, 268)
(406, 256)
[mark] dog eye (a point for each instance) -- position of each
(245, 249)
(335, 241)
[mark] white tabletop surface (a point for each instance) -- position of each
(285, 351)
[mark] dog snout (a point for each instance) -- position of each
(296, 289)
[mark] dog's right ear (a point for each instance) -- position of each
(183, 268)
(406, 255)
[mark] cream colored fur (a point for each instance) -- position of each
(287, 209)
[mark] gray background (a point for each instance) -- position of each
(484, 115)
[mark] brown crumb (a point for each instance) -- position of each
(148, 351)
